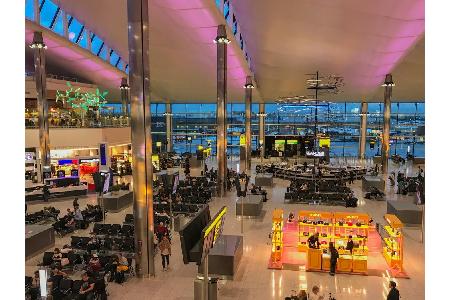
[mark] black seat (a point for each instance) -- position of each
(115, 229)
(76, 286)
(47, 260)
(65, 286)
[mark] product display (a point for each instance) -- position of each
(393, 249)
(277, 235)
(335, 227)
(310, 222)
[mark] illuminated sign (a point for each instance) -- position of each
(212, 231)
(280, 142)
(158, 144)
(242, 140)
(324, 142)
(292, 142)
(315, 154)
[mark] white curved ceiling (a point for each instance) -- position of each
(361, 40)
(182, 52)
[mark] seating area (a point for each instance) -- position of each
(92, 213)
(285, 171)
(47, 214)
(329, 192)
(106, 243)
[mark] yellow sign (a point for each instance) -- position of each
(324, 142)
(158, 144)
(242, 140)
(212, 231)
(155, 157)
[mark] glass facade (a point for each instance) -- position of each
(195, 124)
(51, 17)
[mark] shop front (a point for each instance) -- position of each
(305, 241)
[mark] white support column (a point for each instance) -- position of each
(87, 36)
(230, 9)
(221, 7)
(65, 24)
(107, 49)
(37, 16)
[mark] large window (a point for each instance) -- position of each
(51, 17)
(193, 125)
(48, 13)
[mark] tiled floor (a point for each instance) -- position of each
(254, 280)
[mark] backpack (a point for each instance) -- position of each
(120, 277)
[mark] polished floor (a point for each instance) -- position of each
(254, 280)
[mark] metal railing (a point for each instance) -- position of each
(102, 122)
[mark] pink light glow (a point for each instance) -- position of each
(90, 65)
(66, 53)
(195, 18)
(180, 4)
(236, 73)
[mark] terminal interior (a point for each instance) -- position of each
(229, 134)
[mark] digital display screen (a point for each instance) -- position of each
(176, 181)
(292, 142)
(103, 154)
(29, 156)
(280, 142)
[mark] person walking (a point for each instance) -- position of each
(394, 294)
(334, 255)
(166, 251)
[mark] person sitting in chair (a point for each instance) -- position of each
(94, 264)
(87, 288)
(78, 216)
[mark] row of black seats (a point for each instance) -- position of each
(68, 289)
(113, 229)
(125, 244)
(74, 259)
(47, 213)
(343, 199)
(129, 219)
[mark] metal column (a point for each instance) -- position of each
(262, 116)
(248, 124)
(363, 131)
(141, 137)
(388, 84)
(124, 95)
(221, 41)
(39, 47)
(169, 126)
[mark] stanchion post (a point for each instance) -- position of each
(205, 278)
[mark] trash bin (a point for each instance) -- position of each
(212, 288)
(177, 223)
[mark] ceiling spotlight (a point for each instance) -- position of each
(38, 41)
(249, 86)
(388, 81)
(222, 40)
(124, 84)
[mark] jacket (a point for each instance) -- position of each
(165, 247)
(334, 255)
(394, 294)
